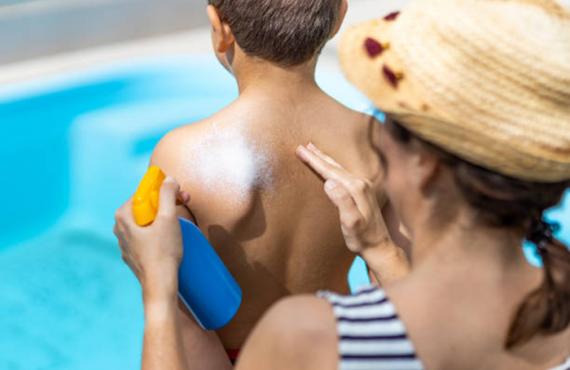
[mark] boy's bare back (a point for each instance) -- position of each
(263, 210)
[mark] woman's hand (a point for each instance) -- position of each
(360, 210)
(154, 253)
(362, 223)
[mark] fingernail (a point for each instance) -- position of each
(171, 180)
(301, 150)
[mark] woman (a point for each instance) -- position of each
(475, 148)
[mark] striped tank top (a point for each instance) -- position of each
(371, 336)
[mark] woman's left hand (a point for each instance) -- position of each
(154, 252)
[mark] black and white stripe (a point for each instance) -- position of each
(372, 337)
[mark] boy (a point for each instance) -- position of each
(263, 211)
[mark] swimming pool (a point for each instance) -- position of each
(76, 148)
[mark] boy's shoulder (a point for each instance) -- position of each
(192, 136)
(354, 119)
(184, 150)
(178, 141)
(186, 141)
(183, 154)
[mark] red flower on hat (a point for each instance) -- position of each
(392, 16)
(373, 47)
(392, 77)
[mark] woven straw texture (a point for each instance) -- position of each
(487, 80)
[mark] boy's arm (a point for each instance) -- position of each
(202, 349)
(168, 155)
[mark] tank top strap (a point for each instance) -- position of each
(371, 335)
(564, 366)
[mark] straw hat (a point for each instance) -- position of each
(486, 80)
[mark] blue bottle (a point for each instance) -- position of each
(206, 287)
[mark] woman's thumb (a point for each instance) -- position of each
(168, 195)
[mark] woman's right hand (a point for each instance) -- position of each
(362, 223)
(361, 218)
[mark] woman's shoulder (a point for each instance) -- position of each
(314, 328)
(297, 332)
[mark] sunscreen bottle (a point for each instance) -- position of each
(206, 287)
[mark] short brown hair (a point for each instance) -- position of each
(284, 32)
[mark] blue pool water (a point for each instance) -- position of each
(73, 150)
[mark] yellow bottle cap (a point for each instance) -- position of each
(145, 200)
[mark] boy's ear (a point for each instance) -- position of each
(223, 36)
(341, 15)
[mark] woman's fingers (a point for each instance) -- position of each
(354, 197)
(116, 230)
(183, 198)
(119, 232)
(361, 191)
(124, 215)
(350, 215)
(320, 166)
(329, 169)
(168, 196)
(323, 156)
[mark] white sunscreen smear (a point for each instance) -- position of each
(227, 162)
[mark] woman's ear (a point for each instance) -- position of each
(341, 16)
(425, 169)
(222, 35)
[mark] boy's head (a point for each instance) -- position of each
(284, 32)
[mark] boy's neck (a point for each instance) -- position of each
(260, 77)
